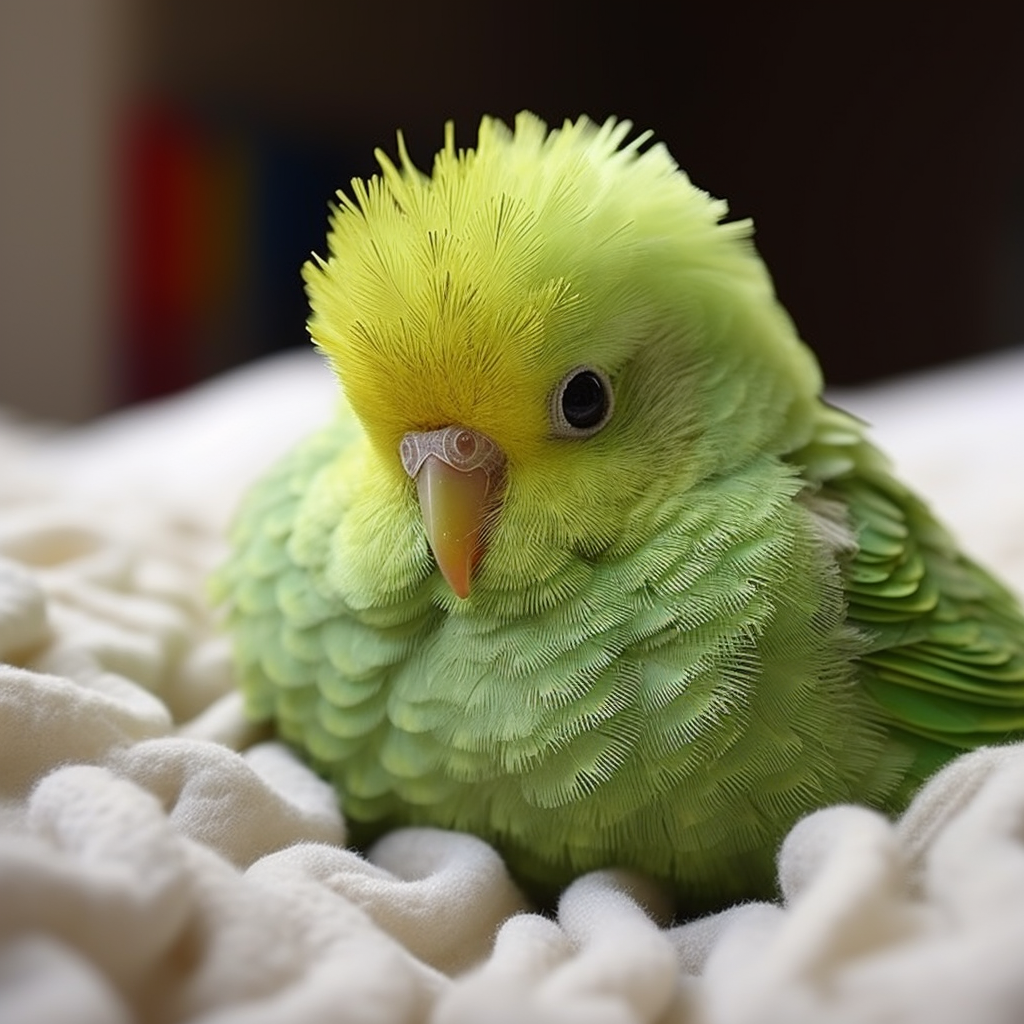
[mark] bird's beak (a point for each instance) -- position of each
(459, 474)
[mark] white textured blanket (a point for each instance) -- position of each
(161, 861)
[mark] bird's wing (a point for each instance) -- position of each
(945, 657)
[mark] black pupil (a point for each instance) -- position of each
(584, 402)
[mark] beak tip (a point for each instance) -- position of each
(459, 582)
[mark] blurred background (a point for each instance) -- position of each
(166, 165)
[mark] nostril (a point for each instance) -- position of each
(460, 447)
(408, 452)
(465, 444)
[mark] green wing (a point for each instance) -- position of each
(946, 641)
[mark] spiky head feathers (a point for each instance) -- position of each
(467, 295)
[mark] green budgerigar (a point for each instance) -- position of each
(584, 565)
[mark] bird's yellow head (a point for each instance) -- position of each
(550, 333)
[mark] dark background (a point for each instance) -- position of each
(881, 154)
(879, 150)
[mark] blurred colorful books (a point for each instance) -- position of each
(217, 218)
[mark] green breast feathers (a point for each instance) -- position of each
(584, 565)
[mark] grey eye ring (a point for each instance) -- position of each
(582, 403)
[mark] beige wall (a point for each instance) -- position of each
(61, 70)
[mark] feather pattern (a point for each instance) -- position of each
(714, 615)
(946, 654)
(675, 682)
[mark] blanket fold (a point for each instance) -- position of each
(161, 859)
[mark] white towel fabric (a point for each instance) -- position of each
(160, 860)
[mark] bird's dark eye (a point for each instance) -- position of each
(582, 403)
(584, 400)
